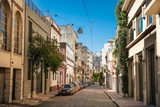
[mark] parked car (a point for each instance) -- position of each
(84, 85)
(66, 89)
(81, 86)
(89, 83)
(76, 85)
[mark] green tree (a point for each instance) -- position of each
(96, 76)
(120, 45)
(44, 51)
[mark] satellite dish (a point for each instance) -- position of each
(80, 31)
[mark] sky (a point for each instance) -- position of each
(100, 12)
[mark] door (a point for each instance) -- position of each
(141, 81)
(14, 84)
(152, 76)
(39, 80)
(132, 80)
(2, 85)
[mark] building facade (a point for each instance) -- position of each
(69, 58)
(11, 50)
(143, 49)
(78, 62)
(97, 58)
(69, 36)
(86, 63)
(36, 83)
(91, 71)
(56, 78)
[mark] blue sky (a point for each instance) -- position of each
(101, 12)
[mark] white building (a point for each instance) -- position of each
(69, 53)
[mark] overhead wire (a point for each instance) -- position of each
(90, 23)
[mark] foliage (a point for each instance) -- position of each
(96, 76)
(120, 45)
(44, 51)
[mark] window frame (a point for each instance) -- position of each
(17, 32)
(140, 24)
(4, 45)
(149, 19)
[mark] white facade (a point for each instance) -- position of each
(55, 35)
(104, 53)
(70, 64)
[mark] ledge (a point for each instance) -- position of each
(141, 35)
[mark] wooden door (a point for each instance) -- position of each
(1, 85)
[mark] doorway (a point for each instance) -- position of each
(140, 70)
(39, 80)
(2, 84)
(152, 76)
(14, 85)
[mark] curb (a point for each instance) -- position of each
(28, 105)
(110, 97)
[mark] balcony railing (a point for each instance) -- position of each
(37, 11)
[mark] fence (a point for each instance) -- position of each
(37, 11)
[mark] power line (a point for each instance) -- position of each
(90, 23)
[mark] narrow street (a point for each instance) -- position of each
(92, 96)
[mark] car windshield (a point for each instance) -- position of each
(67, 86)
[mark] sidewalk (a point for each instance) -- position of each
(30, 101)
(121, 101)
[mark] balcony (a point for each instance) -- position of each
(152, 7)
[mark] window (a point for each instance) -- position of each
(30, 32)
(149, 19)
(3, 30)
(29, 69)
(140, 24)
(130, 34)
(17, 38)
(55, 76)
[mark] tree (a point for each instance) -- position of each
(96, 76)
(44, 51)
(120, 45)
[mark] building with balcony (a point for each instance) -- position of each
(69, 59)
(90, 65)
(57, 78)
(69, 36)
(143, 44)
(36, 83)
(97, 58)
(11, 50)
(86, 62)
(78, 62)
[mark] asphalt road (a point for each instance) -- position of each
(92, 96)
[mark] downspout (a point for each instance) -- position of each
(24, 43)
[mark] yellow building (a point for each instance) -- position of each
(35, 21)
(11, 49)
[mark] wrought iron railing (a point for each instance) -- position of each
(37, 11)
